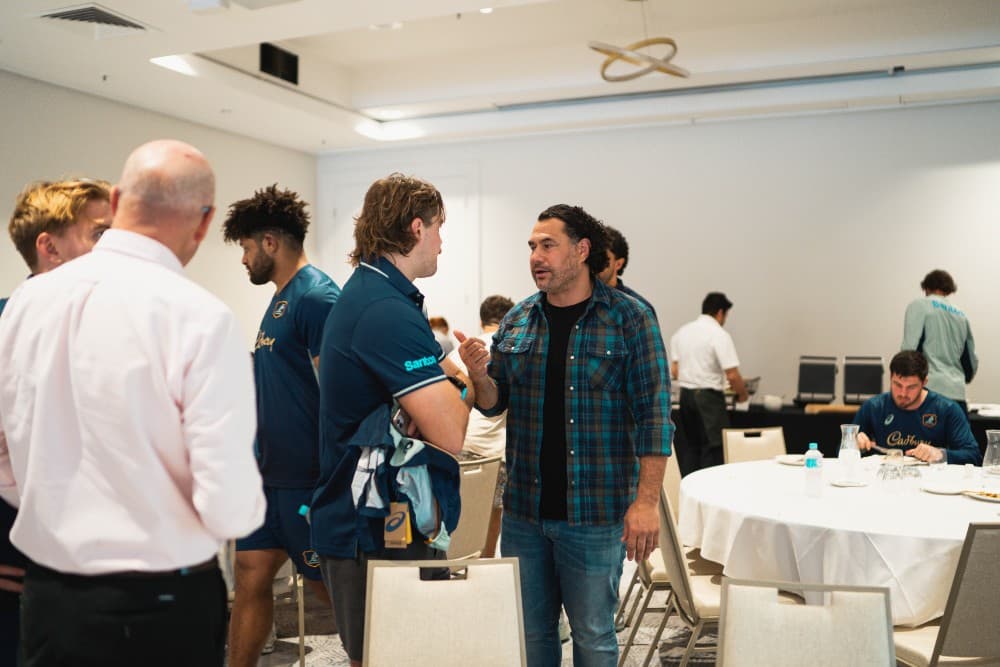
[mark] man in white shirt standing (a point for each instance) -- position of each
(704, 359)
(126, 428)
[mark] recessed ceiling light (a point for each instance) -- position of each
(177, 64)
(386, 114)
(486, 10)
(395, 25)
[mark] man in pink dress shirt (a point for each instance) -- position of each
(126, 428)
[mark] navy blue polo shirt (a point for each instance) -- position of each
(937, 421)
(290, 333)
(377, 346)
(638, 297)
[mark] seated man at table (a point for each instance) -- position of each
(923, 423)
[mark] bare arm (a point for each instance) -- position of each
(673, 370)
(450, 368)
(476, 357)
(736, 382)
(439, 414)
(642, 520)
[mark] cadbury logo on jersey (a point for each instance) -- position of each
(264, 340)
(416, 364)
(897, 439)
(279, 309)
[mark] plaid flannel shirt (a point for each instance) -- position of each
(617, 403)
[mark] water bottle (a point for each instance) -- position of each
(814, 471)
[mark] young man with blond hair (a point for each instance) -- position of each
(52, 223)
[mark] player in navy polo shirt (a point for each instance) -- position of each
(910, 417)
(378, 347)
(270, 227)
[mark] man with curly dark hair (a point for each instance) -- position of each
(582, 372)
(617, 261)
(270, 227)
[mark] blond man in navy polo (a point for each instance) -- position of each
(270, 228)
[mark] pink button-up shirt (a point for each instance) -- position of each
(126, 414)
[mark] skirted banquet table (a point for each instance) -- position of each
(757, 521)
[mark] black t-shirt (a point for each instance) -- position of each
(553, 459)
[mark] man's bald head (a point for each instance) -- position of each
(166, 192)
(167, 176)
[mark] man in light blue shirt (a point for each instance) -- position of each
(941, 332)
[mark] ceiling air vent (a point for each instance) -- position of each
(94, 14)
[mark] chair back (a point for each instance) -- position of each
(454, 622)
(752, 444)
(862, 378)
(817, 378)
(852, 627)
(674, 562)
(477, 487)
(968, 628)
(672, 485)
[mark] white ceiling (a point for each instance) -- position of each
(451, 72)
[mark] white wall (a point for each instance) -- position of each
(819, 228)
(47, 132)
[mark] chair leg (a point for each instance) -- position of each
(635, 626)
(695, 633)
(300, 594)
(653, 645)
(621, 622)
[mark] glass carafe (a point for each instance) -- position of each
(991, 459)
(849, 455)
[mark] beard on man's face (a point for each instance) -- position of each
(261, 269)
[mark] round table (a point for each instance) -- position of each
(756, 520)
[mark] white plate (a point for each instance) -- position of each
(992, 470)
(847, 483)
(942, 489)
(979, 496)
(791, 459)
(907, 460)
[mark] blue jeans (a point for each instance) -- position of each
(576, 567)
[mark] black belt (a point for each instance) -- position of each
(206, 566)
(210, 564)
(706, 389)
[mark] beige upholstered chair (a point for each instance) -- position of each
(752, 444)
(967, 633)
(478, 485)
(475, 620)
(652, 570)
(696, 584)
(758, 627)
(653, 576)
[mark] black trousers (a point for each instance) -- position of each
(127, 620)
(703, 415)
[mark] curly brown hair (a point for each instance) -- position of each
(391, 204)
(269, 210)
(47, 206)
(939, 281)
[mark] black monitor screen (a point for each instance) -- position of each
(864, 379)
(816, 378)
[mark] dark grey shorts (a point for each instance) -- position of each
(345, 578)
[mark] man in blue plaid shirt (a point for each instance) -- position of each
(582, 372)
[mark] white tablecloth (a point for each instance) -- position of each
(756, 520)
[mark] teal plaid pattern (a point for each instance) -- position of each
(617, 403)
